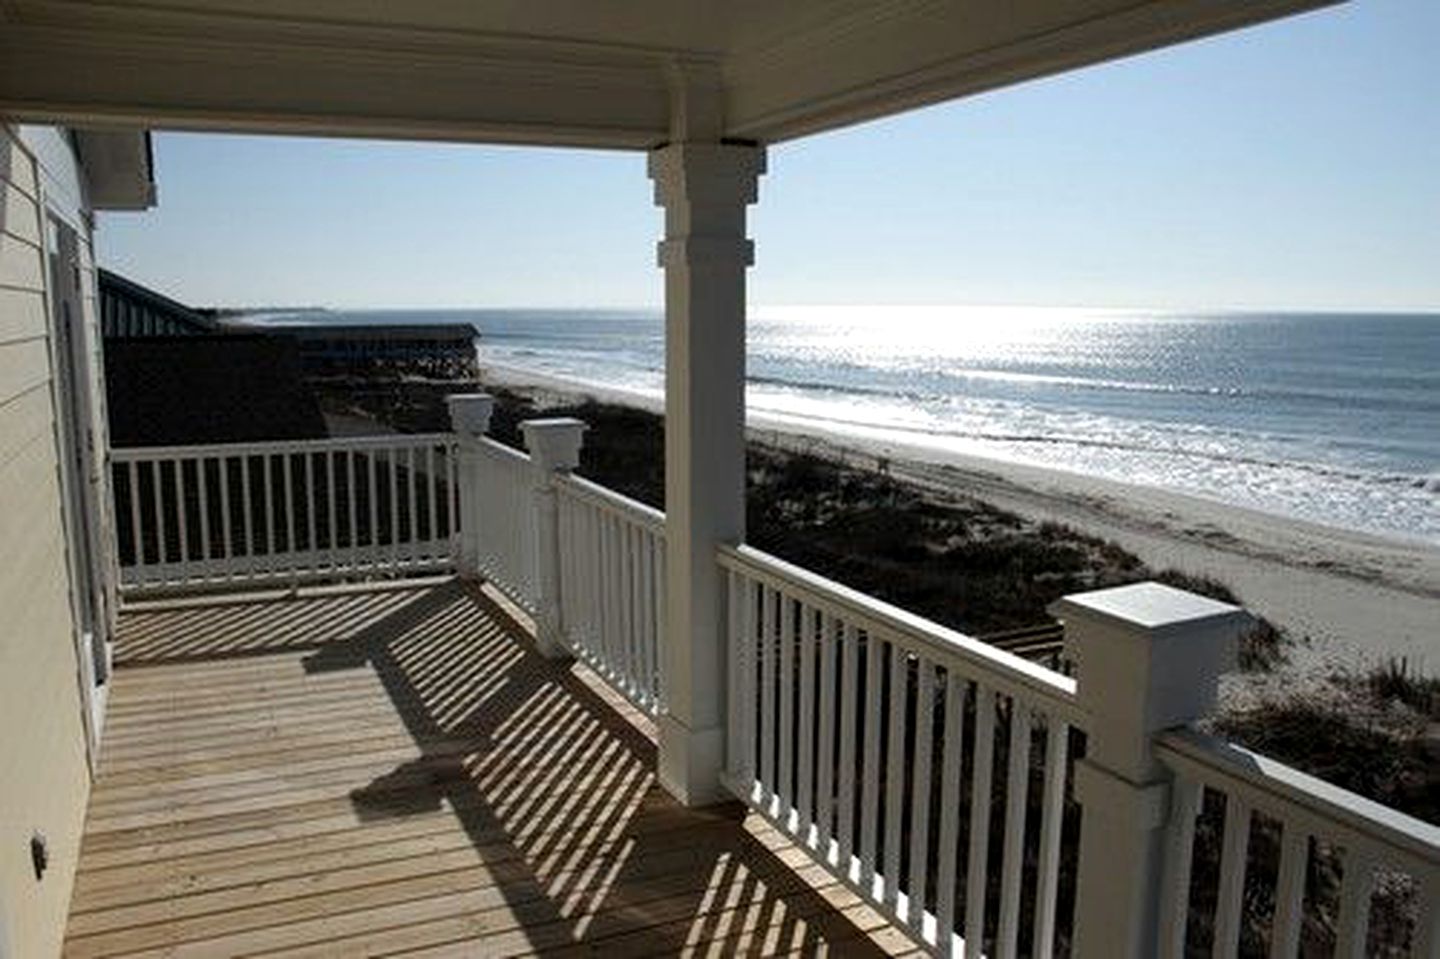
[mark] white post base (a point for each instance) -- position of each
(691, 762)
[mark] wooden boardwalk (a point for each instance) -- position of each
(398, 772)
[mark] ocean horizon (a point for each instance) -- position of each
(1332, 418)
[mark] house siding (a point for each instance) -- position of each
(44, 775)
(65, 189)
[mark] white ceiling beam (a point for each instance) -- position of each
(789, 70)
(428, 92)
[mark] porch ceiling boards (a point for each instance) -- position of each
(399, 771)
(568, 72)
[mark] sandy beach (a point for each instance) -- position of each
(1350, 599)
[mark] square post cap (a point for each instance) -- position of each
(554, 443)
(1150, 608)
(470, 412)
(1149, 657)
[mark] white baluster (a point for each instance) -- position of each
(1017, 785)
(1356, 887)
(978, 869)
(849, 702)
(202, 479)
(828, 649)
(1052, 813)
(785, 781)
(1229, 907)
(895, 775)
(805, 774)
(920, 792)
(870, 760)
(1290, 893)
(949, 865)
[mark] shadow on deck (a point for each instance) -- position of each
(400, 772)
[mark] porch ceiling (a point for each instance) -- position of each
(574, 72)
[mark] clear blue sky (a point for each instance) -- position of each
(1293, 165)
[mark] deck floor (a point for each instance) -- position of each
(398, 772)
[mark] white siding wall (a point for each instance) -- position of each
(44, 777)
(65, 189)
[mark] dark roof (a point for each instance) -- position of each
(115, 287)
(208, 389)
(367, 331)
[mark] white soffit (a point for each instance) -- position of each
(117, 168)
(581, 72)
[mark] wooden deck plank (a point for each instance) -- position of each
(258, 866)
(361, 775)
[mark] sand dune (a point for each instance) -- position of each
(1358, 598)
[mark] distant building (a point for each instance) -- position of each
(444, 351)
(238, 388)
(129, 310)
(177, 375)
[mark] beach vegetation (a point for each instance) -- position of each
(1371, 732)
(938, 552)
(1356, 744)
(1262, 645)
(1396, 682)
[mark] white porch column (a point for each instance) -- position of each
(469, 419)
(705, 188)
(1149, 659)
(554, 446)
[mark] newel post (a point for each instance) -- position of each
(470, 420)
(1149, 659)
(554, 446)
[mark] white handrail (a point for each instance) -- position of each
(646, 517)
(1007, 672)
(142, 454)
(499, 451)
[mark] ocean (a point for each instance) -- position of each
(1332, 418)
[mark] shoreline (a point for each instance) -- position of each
(1359, 598)
(1349, 600)
(877, 440)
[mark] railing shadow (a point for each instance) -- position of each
(231, 630)
(556, 791)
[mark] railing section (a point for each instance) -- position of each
(500, 513)
(216, 515)
(1263, 859)
(612, 586)
(925, 769)
(934, 773)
